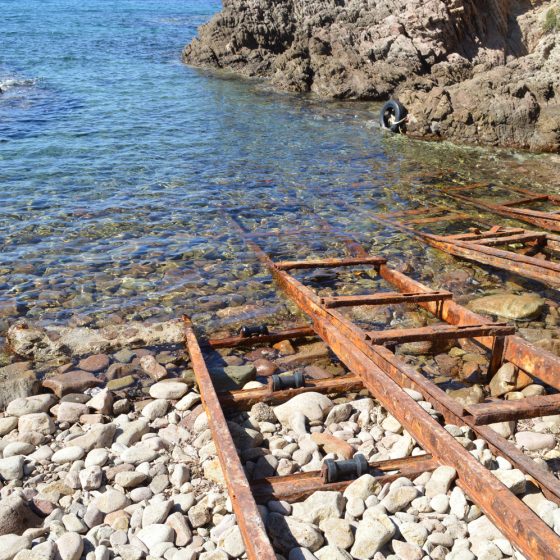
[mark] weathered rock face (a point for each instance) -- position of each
(469, 70)
(39, 344)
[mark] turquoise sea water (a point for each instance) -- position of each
(116, 160)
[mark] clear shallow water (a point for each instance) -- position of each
(116, 159)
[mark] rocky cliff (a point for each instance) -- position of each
(476, 71)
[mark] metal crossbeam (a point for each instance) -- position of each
(503, 411)
(385, 298)
(439, 332)
(329, 263)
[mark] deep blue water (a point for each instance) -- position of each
(115, 159)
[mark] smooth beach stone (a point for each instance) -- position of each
(95, 363)
(11, 468)
(68, 454)
(31, 405)
(18, 448)
(168, 389)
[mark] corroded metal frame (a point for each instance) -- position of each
(490, 246)
(510, 208)
(384, 374)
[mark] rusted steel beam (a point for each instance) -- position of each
(551, 197)
(315, 231)
(455, 413)
(329, 263)
(526, 530)
(433, 209)
(525, 200)
(497, 232)
(436, 219)
(385, 298)
(439, 332)
(287, 232)
(248, 397)
(248, 517)
(234, 341)
(297, 487)
(547, 220)
(415, 212)
(502, 411)
(523, 527)
(514, 261)
(464, 245)
(510, 188)
(517, 238)
(451, 410)
(523, 265)
(468, 187)
(535, 361)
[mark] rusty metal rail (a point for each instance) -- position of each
(513, 208)
(517, 250)
(377, 368)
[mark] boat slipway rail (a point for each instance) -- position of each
(514, 208)
(373, 365)
(517, 250)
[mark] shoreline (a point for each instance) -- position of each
(495, 87)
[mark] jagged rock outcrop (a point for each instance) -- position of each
(481, 71)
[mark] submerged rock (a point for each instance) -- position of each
(71, 382)
(519, 307)
(468, 395)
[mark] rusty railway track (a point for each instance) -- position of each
(515, 208)
(517, 250)
(374, 366)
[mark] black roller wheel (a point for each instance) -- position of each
(362, 466)
(392, 115)
(299, 380)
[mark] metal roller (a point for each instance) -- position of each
(256, 330)
(280, 382)
(336, 471)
